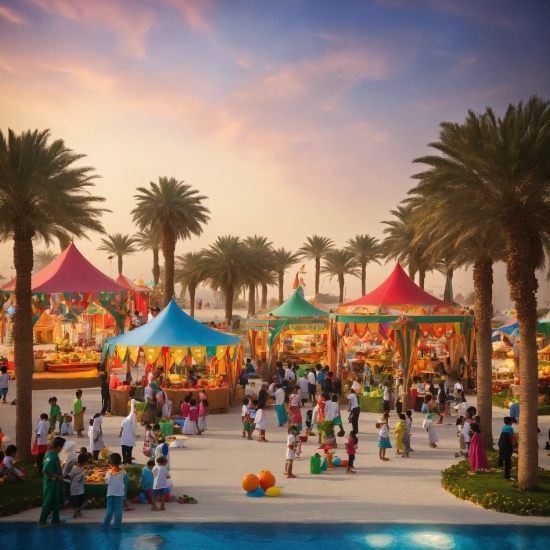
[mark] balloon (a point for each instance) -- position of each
(250, 483)
(324, 465)
(344, 463)
(258, 492)
(267, 479)
(273, 492)
(336, 461)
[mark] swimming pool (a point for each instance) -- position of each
(205, 536)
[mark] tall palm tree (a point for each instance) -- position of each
(177, 212)
(42, 195)
(500, 167)
(119, 245)
(43, 258)
(148, 239)
(340, 262)
(315, 248)
(189, 274)
(64, 241)
(262, 274)
(366, 250)
(227, 265)
(283, 259)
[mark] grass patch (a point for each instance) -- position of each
(501, 399)
(491, 491)
(17, 497)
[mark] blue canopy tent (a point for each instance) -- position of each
(171, 337)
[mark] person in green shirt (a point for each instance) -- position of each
(53, 483)
(55, 414)
(78, 411)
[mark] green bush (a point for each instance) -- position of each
(371, 404)
(543, 410)
(501, 398)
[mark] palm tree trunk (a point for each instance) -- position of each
(281, 286)
(522, 258)
(168, 249)
(317, 274)
(421, 278)
(156, 266)
(251, 299)
(263, 304)
(192, 289)
(119, 258)
(483, 307)
(228, 293)
(412, 272)
(341, 288)
(363, 278)
(23, 342)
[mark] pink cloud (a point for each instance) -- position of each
(195, 12)
(11, 15)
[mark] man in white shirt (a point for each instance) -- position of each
(280, 409)
(304, 388)
(127, 440)
(289, 374)
(312, 385)
(353, 408)
(291, 442)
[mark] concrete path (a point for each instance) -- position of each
(212, 466)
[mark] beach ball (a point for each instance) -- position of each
(324, 465)
(336, 461)
(250, 483)
(267, 479)
(273, 492)
(344, 463)
(258, 492)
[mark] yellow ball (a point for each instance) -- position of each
(273, 492)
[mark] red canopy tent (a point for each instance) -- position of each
(139, 293)
(75, 281)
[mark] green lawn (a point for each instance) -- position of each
(16, 497)
(500, 399)
(490, 491)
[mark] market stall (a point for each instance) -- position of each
(294, 332)
(176, 342)
(139, 294)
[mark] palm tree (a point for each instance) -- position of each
(340, 262)
(262, 274)
(315, 248)
(366, 249)
(147, 239)
(189, 274)
(500, 168)
(42, 195)
(119, 245)
(43, 258)
(176, 211)
(227, 265)
(283, 259)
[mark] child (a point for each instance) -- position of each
(83, 450)
(386, 397)
(78, 480)
(252, 410)
(399, 431)
(408, 431)
(337, 416)
(383, 437)
(67, 427)
(428, 425)
(185, 406)
(259, 422)
(78, 411)
(160, 484)
(190, 427)
(115, 493)
(291, 440)
(149, 441)
(147, 479)
(426, 403)
(245, 418)
(476, 454)
(351, 447)
(7, 470)
(460, 435)
(96, 435)
(55, 413)
(4, 383)
(466, 429)
(40, 447)
(506, 447)
(203, 413)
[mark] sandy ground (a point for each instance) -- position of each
(211, 467)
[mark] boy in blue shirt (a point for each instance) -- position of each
(147, 480)
(506, 447)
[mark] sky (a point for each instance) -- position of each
(293, 117)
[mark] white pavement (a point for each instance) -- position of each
(211, 467)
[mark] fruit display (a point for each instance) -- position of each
(97, 475)
(77, 356)
(179, 381)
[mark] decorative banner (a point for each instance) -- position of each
(198, 353)
(220, 352)
(178, 354)
(438, 330)
(425, 329)
(134, 353)
(221, 367)
(152, 353)
(360, 329)
(233, 352)
(211, 351)
(373, 329)
(458, 328)
(121, 351)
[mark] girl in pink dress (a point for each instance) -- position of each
(190, 427)
(476, 454)
(185, 406)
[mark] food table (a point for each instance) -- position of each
(71, 367)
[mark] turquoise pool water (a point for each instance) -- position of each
(25, 536)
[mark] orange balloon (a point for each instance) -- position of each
(250, 483)
(267, 479)
(344, 463)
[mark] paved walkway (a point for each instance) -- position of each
(211, 467)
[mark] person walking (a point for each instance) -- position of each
(353, 408)
(105, 396)
(52, 485)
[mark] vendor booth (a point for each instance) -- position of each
(400, 317)
(175, 342)
(138, 294)
(294, 332)
(61, 294)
